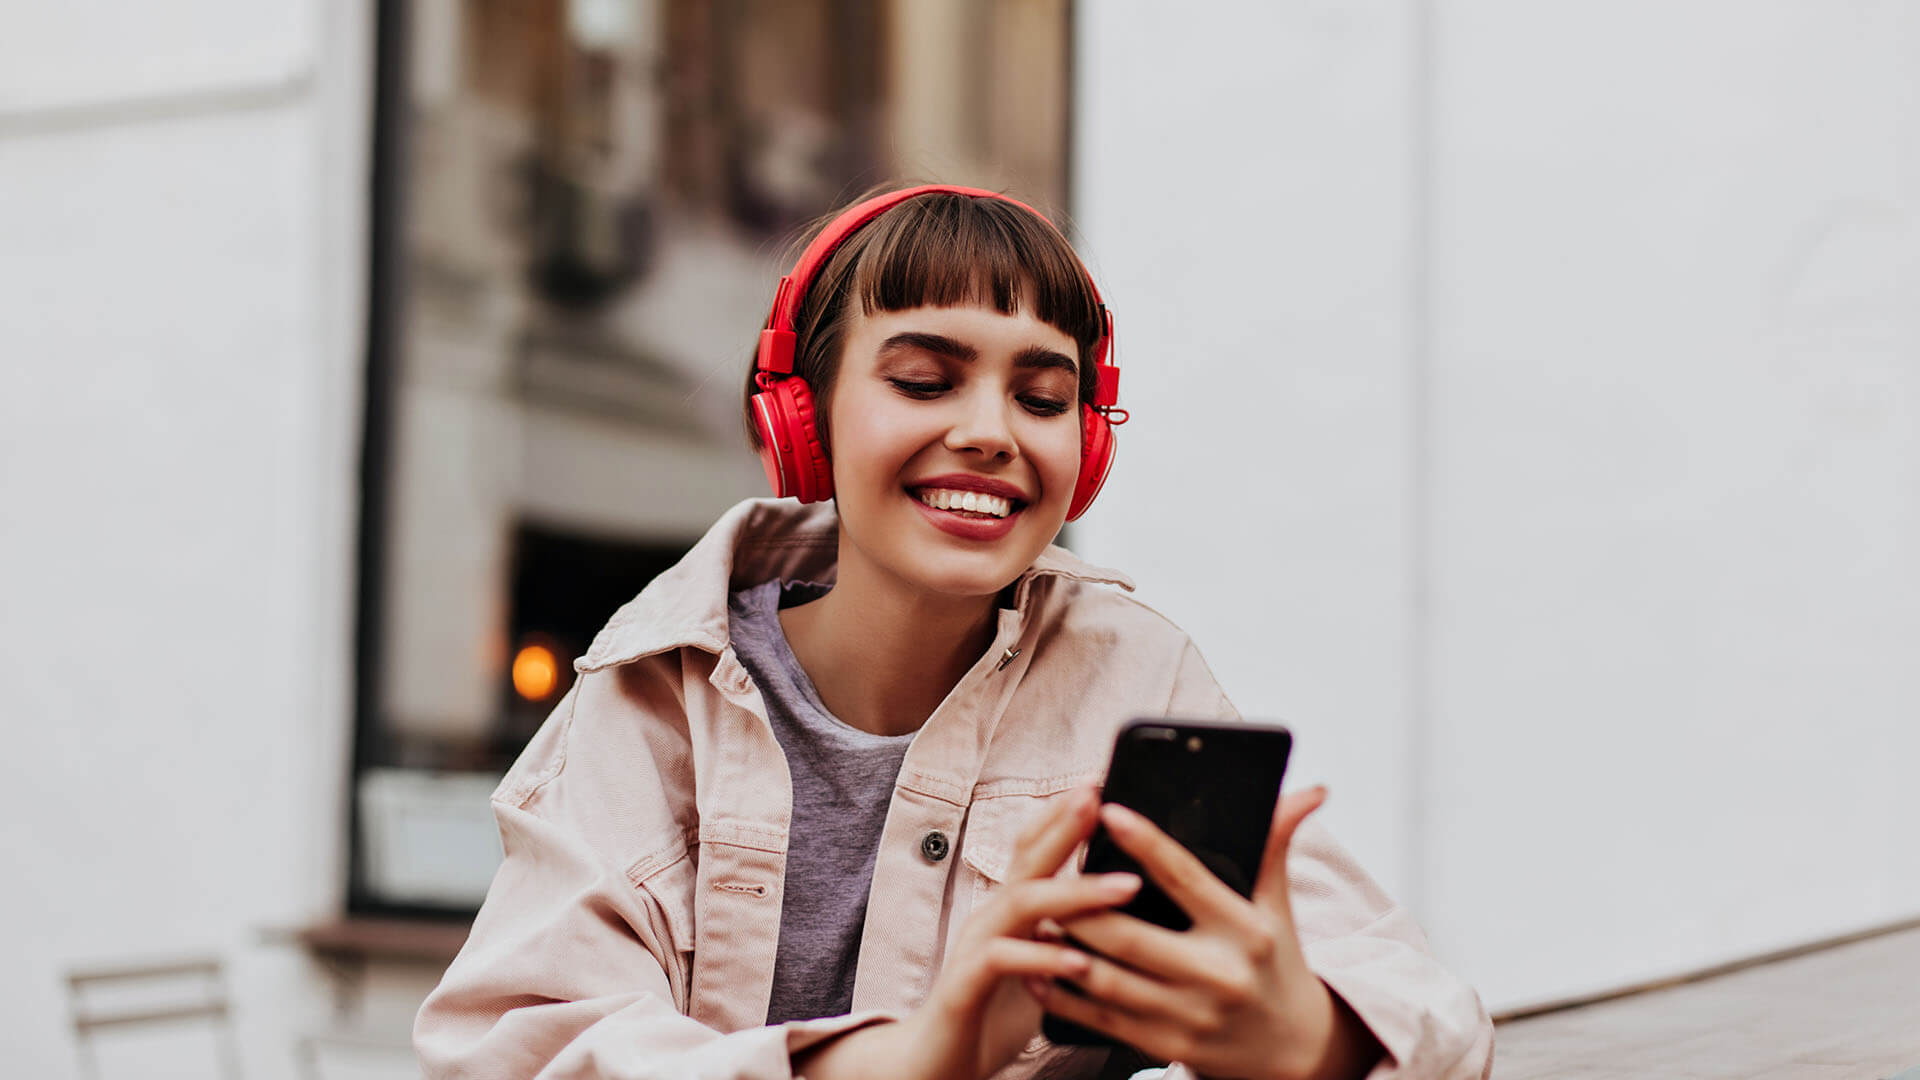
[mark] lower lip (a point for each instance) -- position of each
(968, 528)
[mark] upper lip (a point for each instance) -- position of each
(969, 482)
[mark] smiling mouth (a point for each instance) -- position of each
(969, 504)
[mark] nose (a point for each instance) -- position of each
(982, 427)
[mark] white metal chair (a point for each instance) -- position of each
(177, 990)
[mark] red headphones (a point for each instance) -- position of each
(790, 447)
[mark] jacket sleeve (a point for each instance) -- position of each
(1366, 948)
(565, 974)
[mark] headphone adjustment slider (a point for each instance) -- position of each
(776, 352)
(1106, 389)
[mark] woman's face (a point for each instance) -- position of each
(939, 408)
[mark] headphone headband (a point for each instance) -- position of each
(775, 356)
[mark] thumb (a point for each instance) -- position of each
(1270, 891)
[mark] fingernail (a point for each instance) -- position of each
(1077, 963)
(1121, 885)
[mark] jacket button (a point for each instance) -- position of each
(934, 846)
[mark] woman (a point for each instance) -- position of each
(805, 807)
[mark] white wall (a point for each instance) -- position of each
(182, 222)
(1554, 366)
(1676, 480)
(1243, 185)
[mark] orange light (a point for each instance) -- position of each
(536, 671)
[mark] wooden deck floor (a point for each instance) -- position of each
(1849, 1012)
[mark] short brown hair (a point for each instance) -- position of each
(938, 250)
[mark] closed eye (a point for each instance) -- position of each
(1044, 406)
(917, 388)
(926, 389)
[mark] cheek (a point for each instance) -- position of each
(868, 438)
(1057, 457)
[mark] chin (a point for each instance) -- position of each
(960, 584)
(939, 567)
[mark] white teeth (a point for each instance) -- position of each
(977, 502)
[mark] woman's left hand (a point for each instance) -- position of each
(1231, 996)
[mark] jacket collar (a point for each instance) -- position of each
(760, 540)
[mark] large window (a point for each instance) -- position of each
(582, 211)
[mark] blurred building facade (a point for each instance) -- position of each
(1541, 443)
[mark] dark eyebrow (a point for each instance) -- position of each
(1035, 356)
(938, 344)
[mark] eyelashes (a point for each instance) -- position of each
(914, 388)
(921, 390)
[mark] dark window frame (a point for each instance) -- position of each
(385, 257)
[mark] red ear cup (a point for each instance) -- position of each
(790, 447)
(810, 464)
(1096, 459)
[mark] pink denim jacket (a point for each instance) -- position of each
(631, 930)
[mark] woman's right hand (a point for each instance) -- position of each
(979, 1013)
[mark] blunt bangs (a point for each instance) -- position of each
(946, 250)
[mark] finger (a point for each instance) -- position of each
(1044, 845)
(1156, 1037)
(1146, 997)
(1037, 987)
(1022, 906)
(1152, 950)
(1186, 880)
(1270, 890)
(1019, 958)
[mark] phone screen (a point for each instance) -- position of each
(1210, 786)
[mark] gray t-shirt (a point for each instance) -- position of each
(842, 784)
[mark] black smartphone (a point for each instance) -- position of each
(1210, 785)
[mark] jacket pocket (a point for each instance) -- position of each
(1001, 812)
(988, 843)
(665, 881)
(992, 833)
